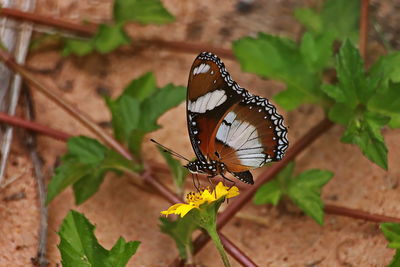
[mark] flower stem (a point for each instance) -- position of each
(212, 231)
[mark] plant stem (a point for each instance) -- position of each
(86, 29)
(212, 232)
(34, 126)
(357, 214)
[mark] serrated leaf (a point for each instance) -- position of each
(316, 50)
(387, 68)
(158, 103)
(392, 234)
(143, 11)
(278, 58)
(348, 24)
(125, 116)
(179, 173)
(269, 193)
(367, 137)
(110, 37)
(87, 186)
(310, 19)
(79, 245)
(352, 79)
(142, 87)
(334, 92)
(290, 98)
(181, 231)
(387, 102)
(341, 114)
(84, 166)
(304, 190)
(77, 47)
(122, 251)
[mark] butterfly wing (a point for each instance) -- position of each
(209, 96)
(250, 135)
(228, 124)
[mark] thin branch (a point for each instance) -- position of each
(34, 126)
(84, 29)
(358, 214)
(363, 28)
(31, 144)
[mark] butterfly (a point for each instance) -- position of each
(231, 130)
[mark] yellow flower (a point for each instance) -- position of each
(196, 199)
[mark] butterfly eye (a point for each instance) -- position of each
(217, 154)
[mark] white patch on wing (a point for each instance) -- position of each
(208, 101)
(243, 137)
(202, 68)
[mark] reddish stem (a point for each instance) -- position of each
(84, 29)
(363, 28)
(358, 214)
(12, 120)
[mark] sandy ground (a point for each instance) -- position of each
(286, 238)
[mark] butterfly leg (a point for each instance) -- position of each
(194, 182)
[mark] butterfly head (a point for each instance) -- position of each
(211, 168)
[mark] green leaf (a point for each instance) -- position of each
(305, 189)
(387, 102)
(325, 21)
(143, 11)
(122, 251)
(290, 98)
(348, 24)
(110, 37)
(79, 245)
(179, 173)
(310, 19)
(279, 58)
(125, 116)
(158, 103)
(366, 135)
(142, 87)
(341, 114)
(77, 47)
(135, 141)
(334, 92)
(84, 167)
(87, 186)
(392, 233)
(352, 79)
(271, 192)
(181, 231)
(316, 50)
(396, 260)
(387, 68)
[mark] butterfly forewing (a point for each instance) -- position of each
(209, 96)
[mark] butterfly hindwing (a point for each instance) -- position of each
(250, 135)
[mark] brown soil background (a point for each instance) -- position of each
(285, 237)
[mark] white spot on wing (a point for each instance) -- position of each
(243, 137)
(202, 68)
(208, 101)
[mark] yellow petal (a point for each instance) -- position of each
(233, 192)
(220, 190)
(207, 197)
(172, 209)
(184, 209)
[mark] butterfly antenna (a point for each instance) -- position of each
(166, 149)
